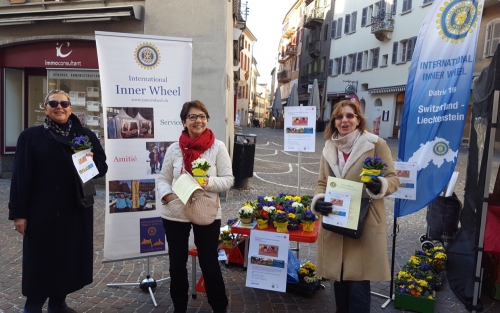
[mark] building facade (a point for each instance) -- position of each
(50, 44)
(243, 93)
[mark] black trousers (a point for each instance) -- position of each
(35, 304)
(206, 239)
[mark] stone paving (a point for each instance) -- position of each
(275, 172)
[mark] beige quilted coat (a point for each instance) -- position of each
(365, 258)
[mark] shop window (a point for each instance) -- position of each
(14, 103)
(492, 38)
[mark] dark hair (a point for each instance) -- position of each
(197, 104)
(56, 91)
(332, 130)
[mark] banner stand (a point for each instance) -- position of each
(147, 283)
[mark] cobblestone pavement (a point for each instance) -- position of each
(275, 172)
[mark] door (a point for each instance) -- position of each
(398, 116)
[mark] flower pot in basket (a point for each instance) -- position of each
(308, 226)
(247, 221)
(281, 227)
(293, 225)
(415, 304)
(262, 224)
(199, 175)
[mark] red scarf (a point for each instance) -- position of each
(193, 148)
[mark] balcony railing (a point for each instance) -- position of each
(291, 50)
(284, 76)
(314, 48)
(313, 16)
(382, 23)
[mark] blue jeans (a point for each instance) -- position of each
(352, 296)
(206, 239)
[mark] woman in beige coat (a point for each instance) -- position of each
(353, 263)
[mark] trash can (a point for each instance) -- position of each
(243, 158)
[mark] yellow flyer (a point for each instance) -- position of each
(345, 196)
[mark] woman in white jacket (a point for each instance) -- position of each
(196, 141)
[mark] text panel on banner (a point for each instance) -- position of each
(145, 80)
(437, 97)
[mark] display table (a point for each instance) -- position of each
(295, 235)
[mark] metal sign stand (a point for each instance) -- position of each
(147, 283)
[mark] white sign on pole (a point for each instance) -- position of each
(407, 173)
(300, 128)
(145, 80)
(267, 260)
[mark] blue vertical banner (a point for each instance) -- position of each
(437, 96)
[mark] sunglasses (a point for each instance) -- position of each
(349, 116)
(194, 117)
(53, 104)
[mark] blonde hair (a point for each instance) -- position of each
(56, 91)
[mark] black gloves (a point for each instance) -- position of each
(374, 186)
(323, 207)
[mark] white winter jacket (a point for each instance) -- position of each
(220, 172)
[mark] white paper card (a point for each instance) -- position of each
(267, 260)
(407, 173)
(85, 165)
(340, 207)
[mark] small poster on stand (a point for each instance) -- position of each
(300, 128)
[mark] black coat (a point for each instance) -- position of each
(58, 243)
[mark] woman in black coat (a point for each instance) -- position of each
(46, 206)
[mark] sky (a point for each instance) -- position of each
(265, 22)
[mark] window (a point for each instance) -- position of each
(339, 28)
(353, 62)
(364, 15)
(394, 52)
(330, 67)
(334, 29)
(365, 64)
(428, 1)
(349, 64)
(344, 63)
(354, 16)
(315, 66)
(325, 32)
(322, 62)
(338, 66)
(297, 67)
(347, 23)
(384, 60)
(406, 5)
(369, 15)
(359, 61)
(374, 54)
(402, 52)
(393, 7)
(309, 68)
(492, 38)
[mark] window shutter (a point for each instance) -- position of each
(364, 13)
(339, 28)
(394, 53)
(330, 67)
(334, 29)
(411, 48)
(409, 5)
(339, 66)
(354, 16)
(347, 23)
(495, 37)
(376, 52)
(487, 41)
(353, 65)
(359, 61)
(393, 7)
(344, 61)
(405, 5)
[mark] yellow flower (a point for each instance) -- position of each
(288, 198)
(412, 286)
(297, 199)
(303, 272)
(291, 216)
(415, 260)
(248, 204)
(430, 297)
(440, 255)
(422, 283)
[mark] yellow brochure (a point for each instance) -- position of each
(345, 196)
(184, 187)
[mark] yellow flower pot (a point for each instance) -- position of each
(308, 226)
(262, 224)
(228, 244)
(281, 227)
(247, 221)
(199, 175)
(366, 175)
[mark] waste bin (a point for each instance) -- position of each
(243, 158)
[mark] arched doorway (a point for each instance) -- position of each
(362, 105)
(398, 116)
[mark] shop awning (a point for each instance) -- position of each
(334, 95)
(387, 89)
(108, 13)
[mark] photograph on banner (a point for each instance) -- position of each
(407, 173)
(152, 235)
(341, 202)
(127, 196)
(128, 123)
(300, 128)
(155, 155)
(267, 260)
(347, 197)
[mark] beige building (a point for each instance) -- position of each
(39, 40)
(243, 92)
